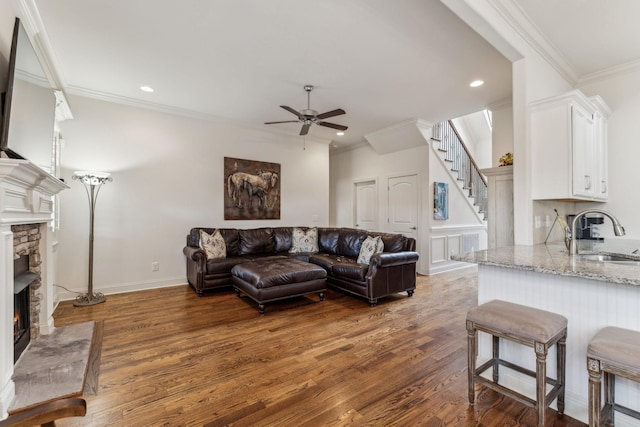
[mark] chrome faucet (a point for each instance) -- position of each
(617, 228)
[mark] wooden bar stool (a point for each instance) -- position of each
(612, 351)
(528, 326)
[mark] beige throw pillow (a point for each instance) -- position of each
(304, 241)
(213, 244)
(370, 247)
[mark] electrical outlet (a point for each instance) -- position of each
(537, 221)
(155, 266)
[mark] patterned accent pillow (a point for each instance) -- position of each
(213, 244)
(304, 241)
(370, 247)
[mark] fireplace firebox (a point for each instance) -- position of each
(21, 305)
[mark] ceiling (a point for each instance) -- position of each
(384, 62)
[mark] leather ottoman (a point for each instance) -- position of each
(276, 279)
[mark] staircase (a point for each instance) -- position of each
(456, 153)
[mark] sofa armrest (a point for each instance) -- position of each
(195, 254)
(196, 267)
(388, 259)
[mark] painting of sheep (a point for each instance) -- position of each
(252, 189)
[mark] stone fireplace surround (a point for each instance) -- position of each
(26, 199)
(26, 242)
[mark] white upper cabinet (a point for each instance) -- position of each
(569, 148)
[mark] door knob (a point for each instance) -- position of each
(413, 228)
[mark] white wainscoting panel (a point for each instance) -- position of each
(589, 305)
(450, 240)
(438, 249)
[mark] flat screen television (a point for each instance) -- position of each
(28, 118)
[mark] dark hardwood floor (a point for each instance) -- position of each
(171, 358)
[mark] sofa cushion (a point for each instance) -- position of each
(370, 246)
(304, 240)
(223, 265)
(328, 240)
(348, 268)
(256, 241)
(349, 242)
(282, 238)
(393, 242)
(213, 245)
(323, 260)
(231, 240)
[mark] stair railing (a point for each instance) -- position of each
(462, 162)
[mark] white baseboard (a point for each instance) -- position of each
(449, 266)
(120, 288)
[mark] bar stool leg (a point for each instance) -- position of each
(595, 379)
(541, 381)
(609, 388)
(496, 357)
(472, 354)
(561, 363)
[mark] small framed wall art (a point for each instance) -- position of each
(440, 200)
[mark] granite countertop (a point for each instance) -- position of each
(554, 259)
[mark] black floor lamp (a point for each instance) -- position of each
(92, 183)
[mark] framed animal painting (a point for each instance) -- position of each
(252, 189)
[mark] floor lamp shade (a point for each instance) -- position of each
(92, 182)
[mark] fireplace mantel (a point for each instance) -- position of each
(26, 197)
(26, 192)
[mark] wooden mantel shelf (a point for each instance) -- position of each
(26, 192)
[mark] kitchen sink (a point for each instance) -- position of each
(615, 259)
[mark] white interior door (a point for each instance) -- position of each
(366, 205)
(403, 205)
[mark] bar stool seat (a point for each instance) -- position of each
(528, 326)
(612, 351)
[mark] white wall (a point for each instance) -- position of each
(476, 135)
(167, 178)
(502, 135)
(533, 78)
(363, 163)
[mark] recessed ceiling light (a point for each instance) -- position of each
(146, 89)
(339, 133)
(476, 83)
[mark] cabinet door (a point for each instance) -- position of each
(582, 139)
(601, 157)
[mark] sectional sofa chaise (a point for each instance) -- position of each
(336, 250)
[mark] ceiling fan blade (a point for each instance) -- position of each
(331, 113)
(291, 110)
(305, 129)
(333, 125)
(286, 121)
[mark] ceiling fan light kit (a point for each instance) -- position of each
(308, 117)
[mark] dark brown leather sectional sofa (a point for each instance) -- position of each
(389, 272)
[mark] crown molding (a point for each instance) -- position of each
(132, 102)
(349, 147)
(629, 67)
(530, 33)
(183, 112)
(32, 22)
(501, 103)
